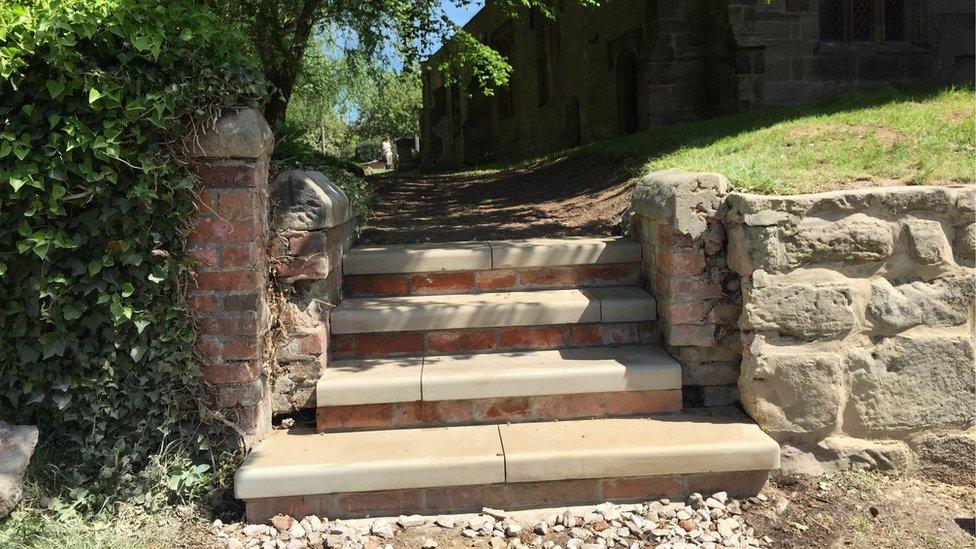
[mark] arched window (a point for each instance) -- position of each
(866, 20)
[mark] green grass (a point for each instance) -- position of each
(891, 137)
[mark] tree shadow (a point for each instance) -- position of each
(578, 191)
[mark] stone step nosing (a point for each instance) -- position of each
(457, 456)
(489, 255)
(493, 310)
(498, 375)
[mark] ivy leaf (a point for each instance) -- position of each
(16, 183)
(54, 88)
(128, 289)
(52, 344)
(93, 95)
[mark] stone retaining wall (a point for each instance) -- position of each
(852, 311)
(858, 315)
(314, 226)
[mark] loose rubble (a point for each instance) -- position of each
(711, 522)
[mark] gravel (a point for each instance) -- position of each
(712, 522)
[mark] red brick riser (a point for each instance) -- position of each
(402, 415)
(487, 340)
(510, 496)
(498, 280)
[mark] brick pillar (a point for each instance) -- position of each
(228, 238)
(676, 219)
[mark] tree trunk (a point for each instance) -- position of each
(282, 61)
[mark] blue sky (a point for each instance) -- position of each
(461, 15)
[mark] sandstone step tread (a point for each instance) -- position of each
(492, 310)
(497, 254)
(301, 463)
(498, 375)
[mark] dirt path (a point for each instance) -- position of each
(579, 195)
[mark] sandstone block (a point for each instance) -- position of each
(948, 457)
(912, 381)
(17, 444)
(239, 133)
(943, 302)
(964, 245)
(805, 310)
(792, 395)
(680, 199)
(886, 456)
(854, 239)
(307, 201)
(927, 242)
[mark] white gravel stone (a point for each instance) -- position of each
(428, 543)
(542, 528)
(382, 529)
(497, 514)
(410, 521)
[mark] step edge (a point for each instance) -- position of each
(433, 315)
(665, 370)
(632, 254)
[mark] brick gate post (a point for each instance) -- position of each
(228, 239)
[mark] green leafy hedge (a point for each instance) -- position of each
(95, 345)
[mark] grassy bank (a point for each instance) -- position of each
(856, 140)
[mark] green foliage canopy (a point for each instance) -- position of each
(95, 95)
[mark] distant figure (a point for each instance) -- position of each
(387, 153)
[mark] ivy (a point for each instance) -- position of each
(96, 346)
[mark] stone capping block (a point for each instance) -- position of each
(763, 210)
(305, 200)
(498, 375)
(680, 199)
(490, 310)
(298, 462)
(483, 256)
(240, 132)
(301, 463)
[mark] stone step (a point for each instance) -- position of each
(496, 375)
(492, 310)
(488, 340)
(463, 468)
(481, 256)
(484, 388)
(498, 280)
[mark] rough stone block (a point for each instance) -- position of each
(239, 133)
(854, 239)
(307, 201)
(942, 302)
(793, 394)
(680, 199)
(964, 244)
(805, 310)
(17, 444)
(886, 456)
(912, 381)
(948, 457)
(927, 242)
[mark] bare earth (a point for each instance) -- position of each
(578, 195)
(856, 509)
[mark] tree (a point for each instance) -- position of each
(282, 31)
(389, 105)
